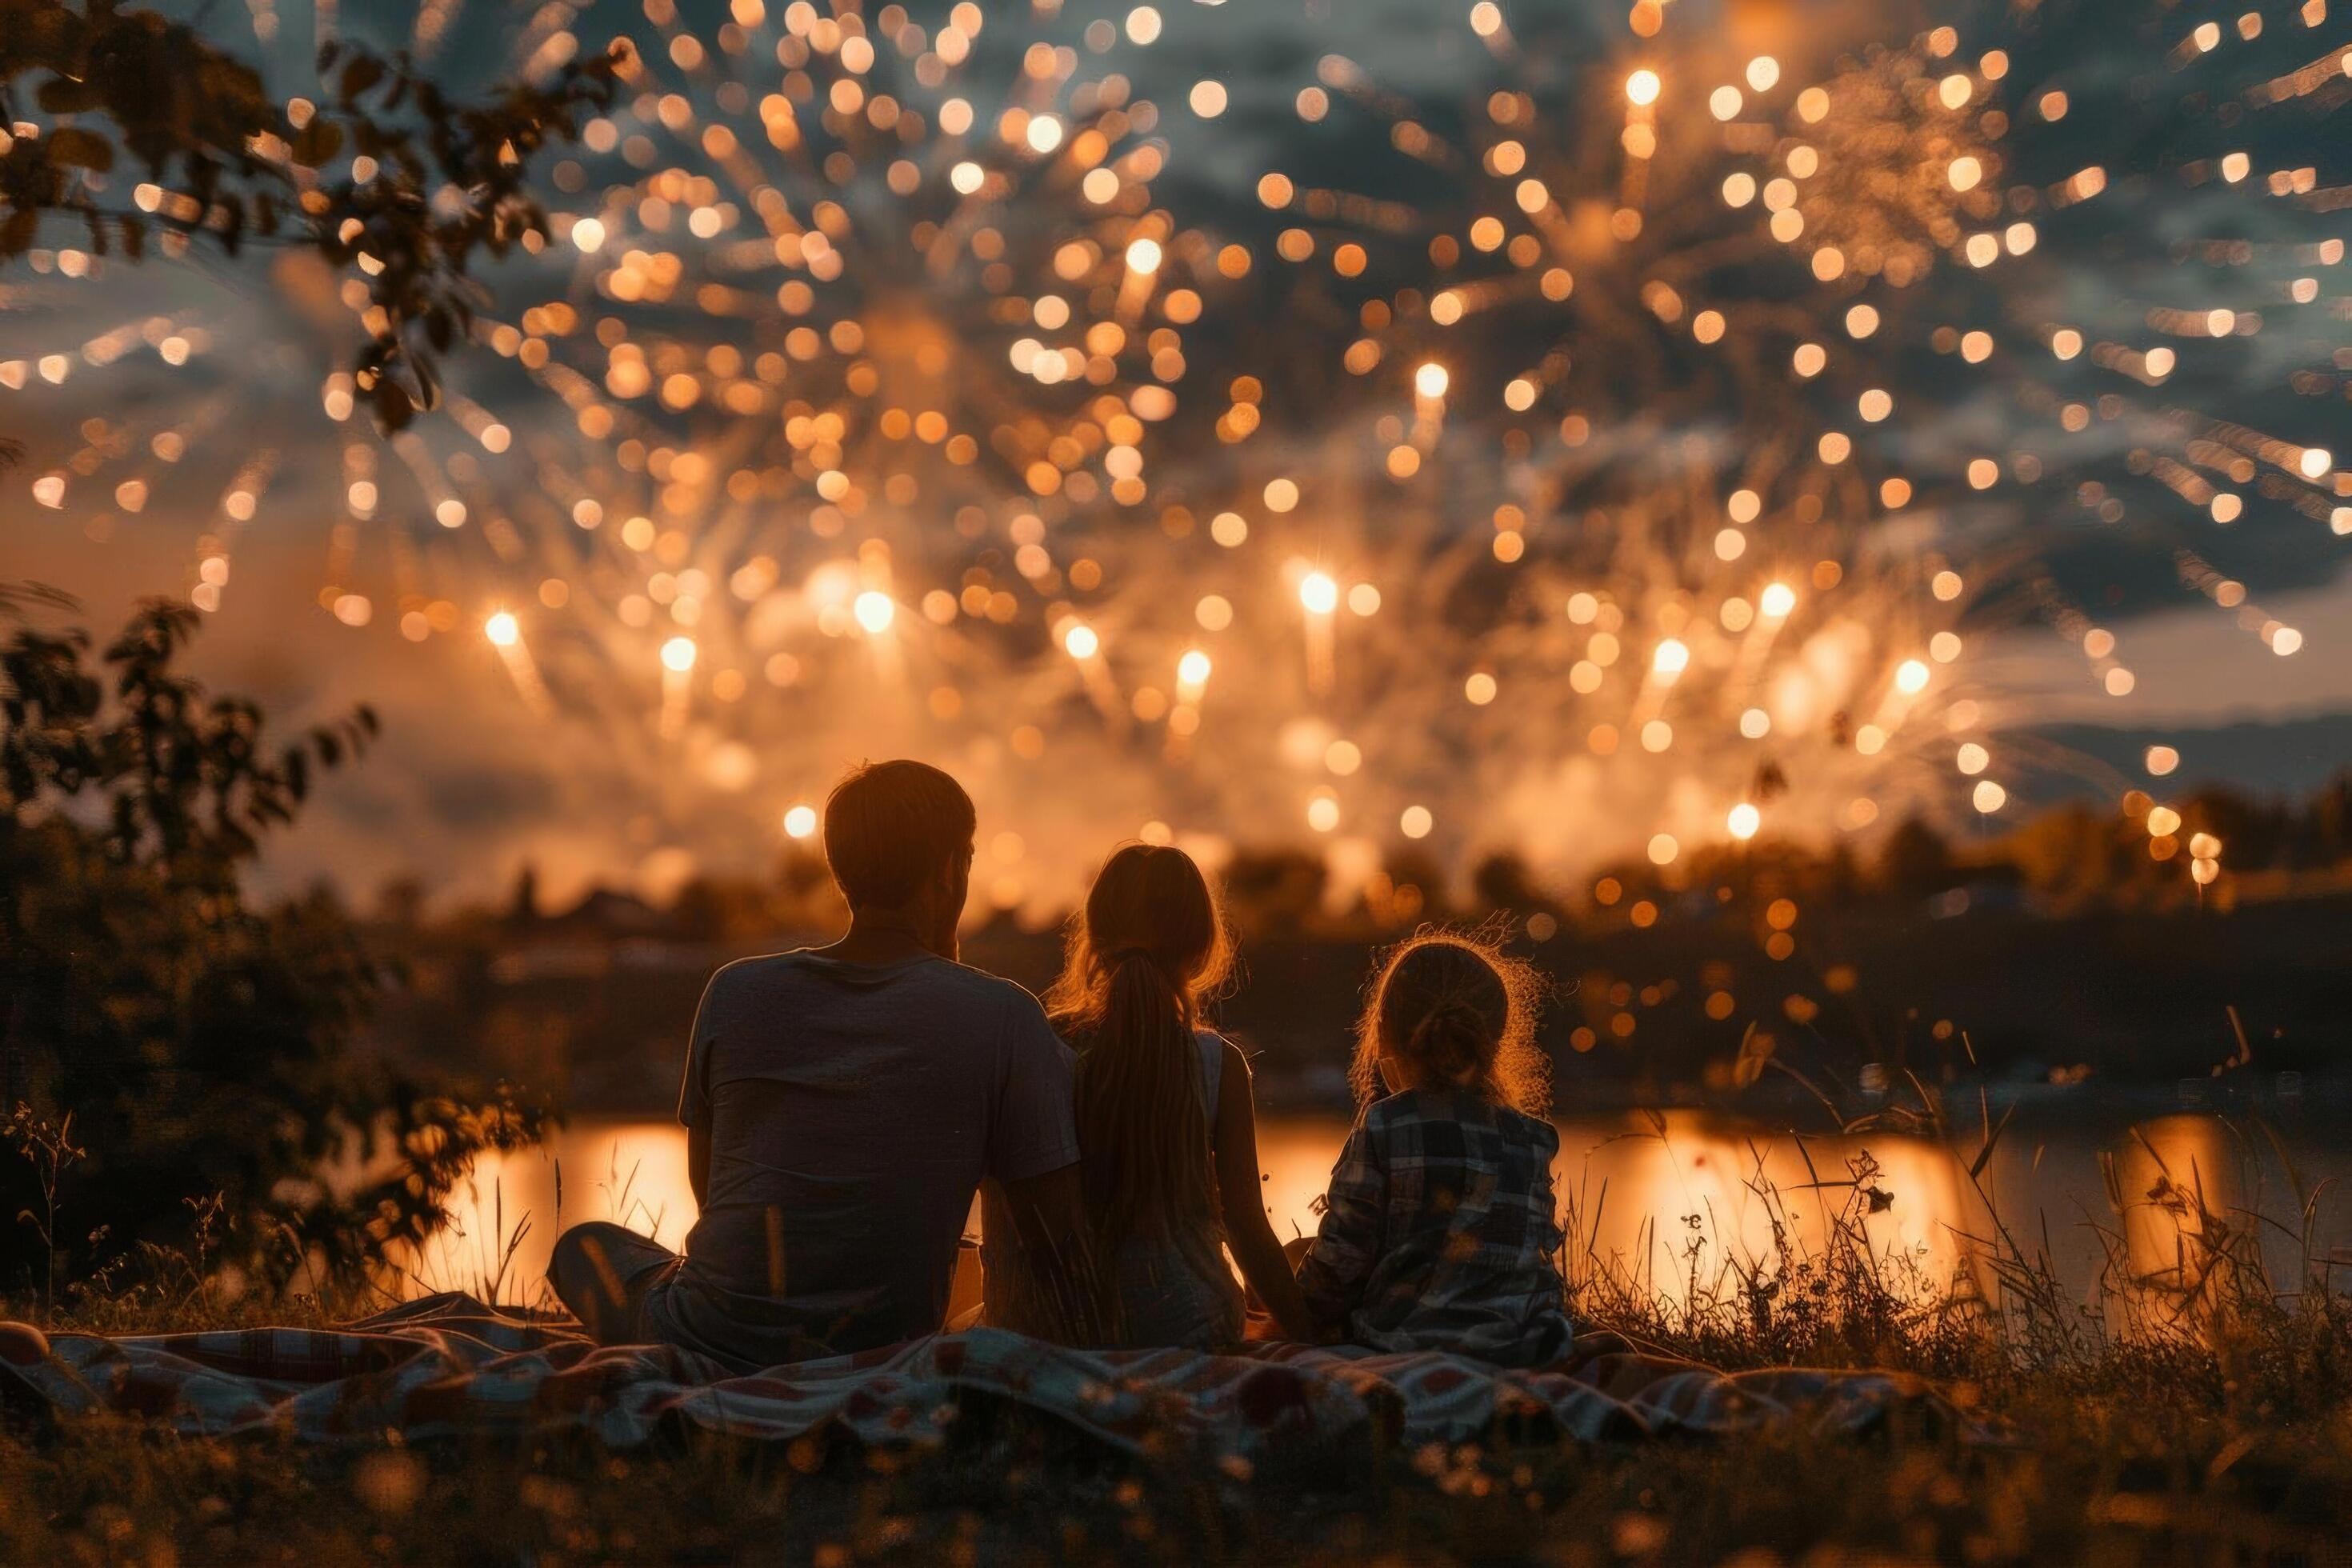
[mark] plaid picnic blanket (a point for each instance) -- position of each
(448, 1366)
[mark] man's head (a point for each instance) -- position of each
(898, 838)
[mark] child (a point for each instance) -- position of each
(1166, 1133)
(1439, 1232)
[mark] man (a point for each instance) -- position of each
(841, 1105)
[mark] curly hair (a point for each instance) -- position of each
(1462, 1011)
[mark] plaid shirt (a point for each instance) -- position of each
(1439, 1233)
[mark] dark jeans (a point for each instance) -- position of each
(603, 1272)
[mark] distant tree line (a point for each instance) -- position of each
(2067, 859)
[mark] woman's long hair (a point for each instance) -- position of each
(1146, 953)
(1462, 1012)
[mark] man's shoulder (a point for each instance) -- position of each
(990, 1000)
(758, 967)
(980, 985)
(937, 986)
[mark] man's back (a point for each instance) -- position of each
(851, 1110)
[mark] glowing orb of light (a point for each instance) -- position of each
(1143, 257)
(1743, 821)
(1672, 659)
(1663, 849)
(799, 821)
(1776, 600)
(1319, 593)
(1990, 797)
(1080, 641)
(1432, 380)
(1416, 822)
(505, 631)
(588, 234)
(677, 655)
(1192, 669)
(1911, 677)
(874, 610)
(1641, 87)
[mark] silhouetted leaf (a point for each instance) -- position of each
(80, 149)
(318, 142)
(59, 95)
(359, 73)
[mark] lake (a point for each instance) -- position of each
(1661, 1197)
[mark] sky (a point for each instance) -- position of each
(473, 778)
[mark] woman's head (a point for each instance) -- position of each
(1149, 903)
(1452, 1008)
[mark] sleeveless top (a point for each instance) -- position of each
(1164, 1298)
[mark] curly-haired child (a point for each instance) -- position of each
(1439, 1231)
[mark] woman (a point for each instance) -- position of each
(1167, 1132)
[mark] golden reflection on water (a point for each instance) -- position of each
(1660, 1202)
(2182, 1182)
(1637, 1194)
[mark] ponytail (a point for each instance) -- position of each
(1143, 1128)
(1147, 950)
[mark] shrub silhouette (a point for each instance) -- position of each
(202, 1048)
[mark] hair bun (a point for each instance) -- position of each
(1455, 1037)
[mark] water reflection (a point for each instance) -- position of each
(1664, 1201)
(2194, 1191)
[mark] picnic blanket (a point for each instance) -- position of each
(448, 1366)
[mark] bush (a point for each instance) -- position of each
(182, 1066)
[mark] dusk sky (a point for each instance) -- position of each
(1052, 708)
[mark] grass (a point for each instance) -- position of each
(2179, 1479)
(2198, 1410)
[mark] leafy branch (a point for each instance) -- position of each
(229, 164)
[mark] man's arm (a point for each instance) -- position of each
(694, 1097)
(1033, 1158)
(1057, 1268)
(698, 1162)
